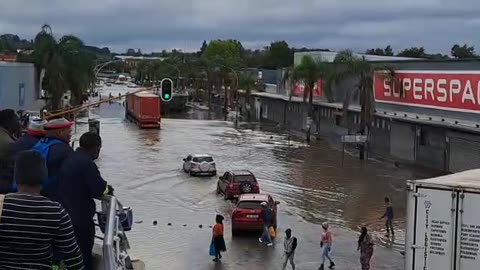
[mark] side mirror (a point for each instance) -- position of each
(277, 202)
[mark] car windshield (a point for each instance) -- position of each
(244, 178)
(202, 159)
(250, 205)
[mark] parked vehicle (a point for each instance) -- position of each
(234, 183)
(143, 109)
(247, 214)
(443, 225)
(199, 164)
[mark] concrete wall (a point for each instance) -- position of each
(17, 87)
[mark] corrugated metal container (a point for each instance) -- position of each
(143, 109)
(17, 87)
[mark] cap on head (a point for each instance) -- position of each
(37, 125)
(59, 123)
(30, 168)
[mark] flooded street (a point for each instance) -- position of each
(310, 182)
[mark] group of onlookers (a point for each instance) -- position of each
(46, 194)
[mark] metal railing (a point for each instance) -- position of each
(115, 243)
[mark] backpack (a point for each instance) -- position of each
(43, 148)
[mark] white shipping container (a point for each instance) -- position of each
(443, 222)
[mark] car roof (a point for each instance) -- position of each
(201, 155)
(241, 172)
(254, 197)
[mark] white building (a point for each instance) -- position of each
(18, 89)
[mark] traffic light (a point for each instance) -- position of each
(166, 89)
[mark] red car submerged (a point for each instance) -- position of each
(234, 183)
(248, 213)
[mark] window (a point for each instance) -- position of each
(244, 178)
(21, 94)
(250, 205)
(202, 159)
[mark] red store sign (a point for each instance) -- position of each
(299, 89)
(446, 90)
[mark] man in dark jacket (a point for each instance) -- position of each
(80, 183)
(55, 149)
(9, 127)
(289, 246)
(34, 133)
(267, 222)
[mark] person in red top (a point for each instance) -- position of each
(217, 238)
(326, 245)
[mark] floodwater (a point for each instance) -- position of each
(310, 182)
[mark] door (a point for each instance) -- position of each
(434, 229)
(468, 256)
(402, 141)
(223, 182)
(463, 155)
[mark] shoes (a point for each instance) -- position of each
(321, 267)
(332, 265)
(215, 260)
(260, 240)
(270, 244)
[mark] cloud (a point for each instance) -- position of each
(153, 25)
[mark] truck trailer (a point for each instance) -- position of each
(143, 108)
(443, 222)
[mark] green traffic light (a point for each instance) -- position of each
(166, 95)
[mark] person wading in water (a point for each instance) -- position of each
(217, 238)
(365, 246)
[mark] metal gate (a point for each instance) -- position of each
(463, 154)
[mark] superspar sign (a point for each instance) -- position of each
(447, 90)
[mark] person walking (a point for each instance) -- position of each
(217, 238)
(388, 215)
(267, 222)
(289, 246)
(32, 226)
(79, 183)
(326, 245)
(365, 246)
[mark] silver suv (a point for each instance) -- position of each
(199, 164)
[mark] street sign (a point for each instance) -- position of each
(354, 139)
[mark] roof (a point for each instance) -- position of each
(241, 172)
(466, 179)
(146, 94)
(330, 56)
(253, 197)
(201, 155)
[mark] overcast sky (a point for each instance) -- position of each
(153, 25)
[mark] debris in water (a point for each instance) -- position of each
(154, 223)
(200, 226)
(184, 225)
(169, 224)
(139, 221)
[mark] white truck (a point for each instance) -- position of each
(443, 222)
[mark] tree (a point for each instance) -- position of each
(463, 52)
(66, 65)
(221, 58)
(203, 48)
(414, 52)
(378, 51)
(350, 66)
(278, 55)
(309, 72)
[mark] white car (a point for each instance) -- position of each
(199, 164)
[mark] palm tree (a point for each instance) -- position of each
(350, 66)
(309, 72)
(66, 65)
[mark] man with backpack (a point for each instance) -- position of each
(55, 149)
(289, 246)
